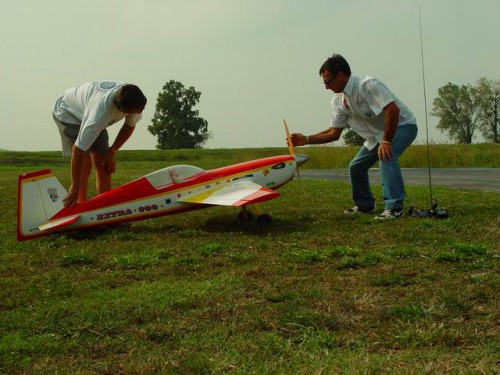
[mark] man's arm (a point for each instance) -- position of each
(326, 136)
(122, 137)
(391, 116)
(77, 161)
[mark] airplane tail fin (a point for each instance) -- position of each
(39, 198)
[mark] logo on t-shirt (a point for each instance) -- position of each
(107, 85)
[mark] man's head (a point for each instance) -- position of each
(130, 99)
(335, 72)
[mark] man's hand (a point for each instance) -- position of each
(108, 162)
(298, 139)
(72, 197)
(385, 151)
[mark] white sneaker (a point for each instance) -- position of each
(356, 210)
(390, 215)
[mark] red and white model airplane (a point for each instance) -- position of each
(167, 191)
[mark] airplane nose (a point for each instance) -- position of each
(301, 159)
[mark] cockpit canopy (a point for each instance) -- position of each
(173, 174)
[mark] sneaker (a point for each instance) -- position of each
(390, 215)
(356, 210)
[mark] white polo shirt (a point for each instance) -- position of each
(92, 107)
(361, 107)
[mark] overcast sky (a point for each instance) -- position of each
(254, 61)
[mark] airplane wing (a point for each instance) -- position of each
(59, 222)
(238, 193)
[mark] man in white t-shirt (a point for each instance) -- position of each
(388, 126)
(82, 115)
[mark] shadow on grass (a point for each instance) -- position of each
(214, 224)
(226, 224)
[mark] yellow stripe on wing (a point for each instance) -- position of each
(200, 197)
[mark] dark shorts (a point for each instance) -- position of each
(69, 134)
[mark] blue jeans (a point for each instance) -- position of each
(393, 188)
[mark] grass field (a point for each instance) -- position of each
(202, 293)
(440, 156)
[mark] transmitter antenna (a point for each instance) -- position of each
(425, 107)
(434, 211)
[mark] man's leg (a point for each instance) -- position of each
(360, 183)
(103, 178)
(98, 150)
(393, 189)
(84, 178)
(69, 134)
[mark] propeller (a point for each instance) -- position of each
(289, 139)
(299, 159)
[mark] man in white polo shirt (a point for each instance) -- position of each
(388, 126)
(82, 115)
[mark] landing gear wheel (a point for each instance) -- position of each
(245, 216)
(264, 220)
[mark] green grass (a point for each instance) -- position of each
(440, 156)
(202, 293)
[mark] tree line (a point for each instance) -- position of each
(463, 112)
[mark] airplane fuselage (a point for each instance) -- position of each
(167, 191)
(139, 199)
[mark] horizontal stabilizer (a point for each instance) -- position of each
(238, 193)
(58, 223)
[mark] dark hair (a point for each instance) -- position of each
(336, 64)
(130, 97)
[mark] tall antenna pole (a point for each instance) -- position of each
(425, 107)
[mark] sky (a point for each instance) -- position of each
(255, 62)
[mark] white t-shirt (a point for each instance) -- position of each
(361, 107)
(92, 107)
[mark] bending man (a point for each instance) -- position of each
(82, 115)
(387, 125)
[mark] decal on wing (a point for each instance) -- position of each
(238, 193)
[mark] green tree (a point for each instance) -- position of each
(458, 112)
(487, 94)
(175, 123)
(351, 138)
